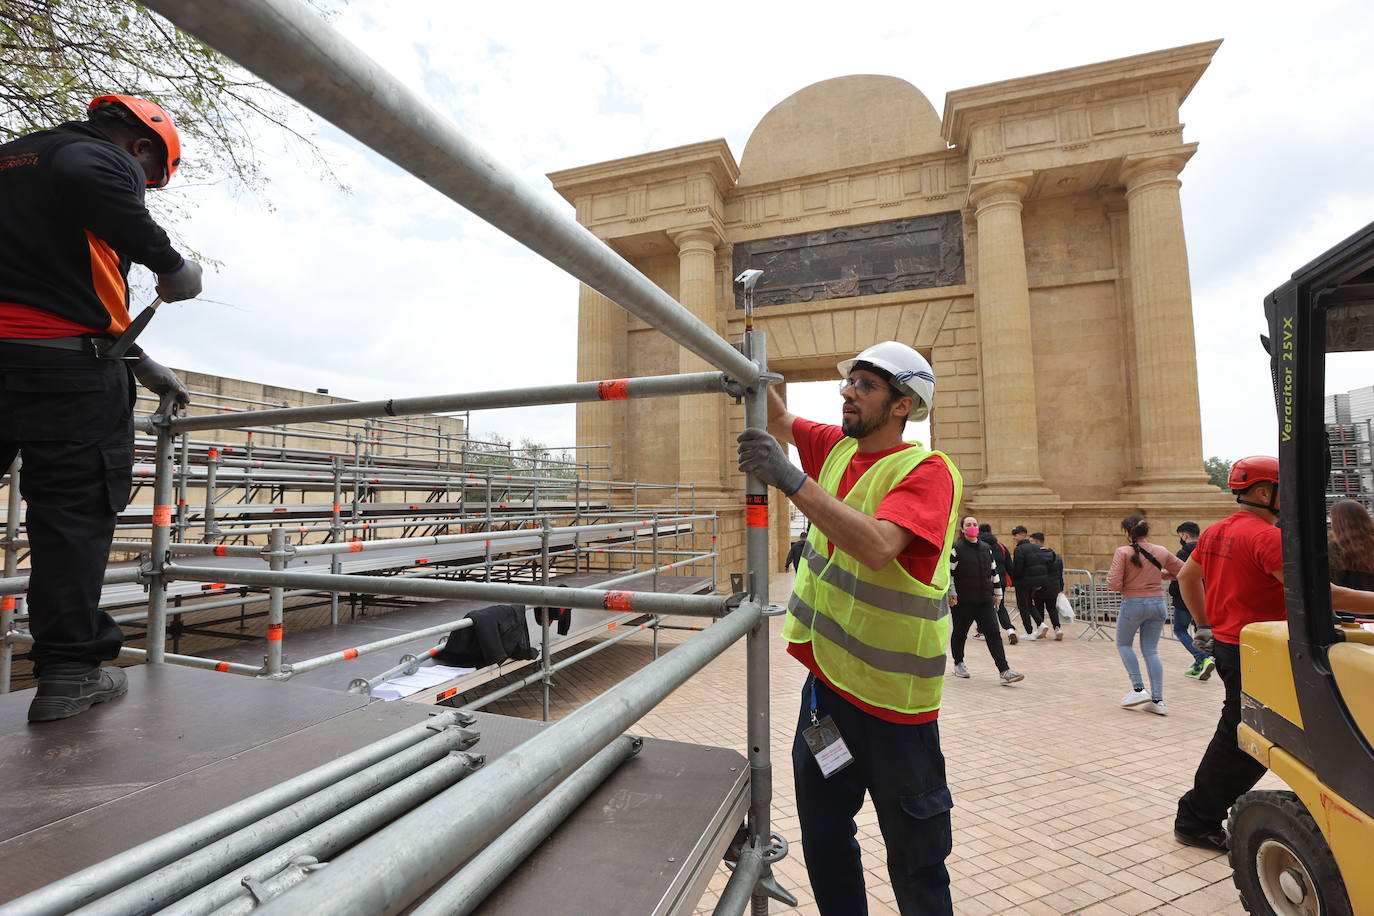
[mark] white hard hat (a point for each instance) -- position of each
(910, 372)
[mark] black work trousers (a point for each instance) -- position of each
(1044, 603)
(69, 416)
(1226, 772)
(1025, 603)
(964, 615)
(902, 768)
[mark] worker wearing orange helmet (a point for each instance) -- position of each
(72, 223)
(1234, 577)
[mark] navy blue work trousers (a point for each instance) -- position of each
(902, 769)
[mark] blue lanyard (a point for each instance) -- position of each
(814, 720)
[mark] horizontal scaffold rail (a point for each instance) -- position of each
(498, 592)
(653, 386)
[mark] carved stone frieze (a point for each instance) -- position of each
(865, 260)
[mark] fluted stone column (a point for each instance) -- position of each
(1004, 329)
(1170, 445)
(699, 418)
(600, 336)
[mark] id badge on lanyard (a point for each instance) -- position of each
(823, 739)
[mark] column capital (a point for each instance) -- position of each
(1141, 170)
(696, 240)
(1003, 191)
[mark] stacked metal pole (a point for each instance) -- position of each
(9, 602)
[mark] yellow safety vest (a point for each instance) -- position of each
(879, 635)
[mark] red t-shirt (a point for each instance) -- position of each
(1239, 556)
(921, 504)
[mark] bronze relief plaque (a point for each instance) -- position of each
(867, 260)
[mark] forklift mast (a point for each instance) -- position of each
(1327, 306)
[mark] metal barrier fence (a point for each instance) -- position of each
(285, 43)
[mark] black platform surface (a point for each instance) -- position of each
(184, 742)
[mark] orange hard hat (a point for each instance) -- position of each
(151, 115)
(1247, 472)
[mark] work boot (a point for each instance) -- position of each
(68, 688)
(1215, 840)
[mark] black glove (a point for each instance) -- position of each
(182, 283)
(760, 455)
(1204, 640)
(160, 380)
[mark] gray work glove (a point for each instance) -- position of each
(160, 380)
(1204, 640)
(182, 283)
(760, 455)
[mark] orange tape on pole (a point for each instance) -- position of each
(618, 601)
(7, 603)
(221, 550)
(355, 546)
(274, 632)
(452, 691)
(350, 653)
(162, 516)
(222, 667)
(613, 390)
(756, 511)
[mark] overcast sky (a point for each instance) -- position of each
(393, 290)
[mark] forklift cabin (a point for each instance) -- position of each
(1308, 683)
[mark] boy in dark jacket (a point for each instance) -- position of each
(1029, 572)
(1046, 598)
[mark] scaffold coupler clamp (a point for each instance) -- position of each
(775, 850)
(736, 601)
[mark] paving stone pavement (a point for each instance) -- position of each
(1063, 801)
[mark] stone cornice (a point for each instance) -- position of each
(1182, 66)
(862, 171)
(711, 156)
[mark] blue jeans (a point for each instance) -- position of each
(1182, 621)
(902, 769)
(1147, 616)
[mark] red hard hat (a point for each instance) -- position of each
(151, 115)
(1247, 472)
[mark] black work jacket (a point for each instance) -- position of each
(72, 220)
(1000, 554)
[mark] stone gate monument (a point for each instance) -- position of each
(1030, 243)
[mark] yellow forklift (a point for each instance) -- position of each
(1308, 683)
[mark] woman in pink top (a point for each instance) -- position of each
(1138, 572)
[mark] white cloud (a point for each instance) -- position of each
(394, 290)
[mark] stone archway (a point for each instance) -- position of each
(1031, 243)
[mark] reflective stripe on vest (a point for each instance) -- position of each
(879, 635)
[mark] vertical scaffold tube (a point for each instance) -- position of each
(163, 471)
(276, 607)
(756, 652)
(9, 602)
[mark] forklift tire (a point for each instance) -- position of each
(1280, 861)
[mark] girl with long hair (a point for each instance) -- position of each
(1350, 552)
(1138, 572)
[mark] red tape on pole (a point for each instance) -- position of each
(274, 632)
(222, 667)
(350, 653)
(613, 390)
(618, 601)
(162, 516)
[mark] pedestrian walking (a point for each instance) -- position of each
(1203, 665)
(1047, 597)
(972, 594)
(1029, 571)
(1138, 572)
(1004, 583)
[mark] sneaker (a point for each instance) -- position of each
(1215, 840)
(1194, 671)
(977, 635)
(1205, 672)
(1058, 634)
(68, 688)
(1011, 677)
(1033, 634)
(1012, 638)
(1135, 698)
(1158, 707)
(1043, 631)
(960, 670)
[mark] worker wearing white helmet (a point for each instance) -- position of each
(868, 617)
